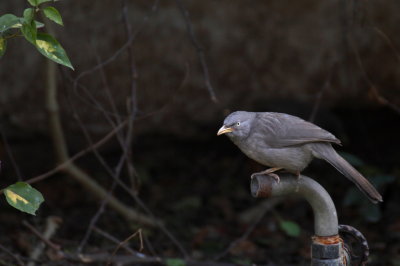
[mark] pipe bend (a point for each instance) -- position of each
(325, 216)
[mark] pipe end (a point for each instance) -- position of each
(261, 185)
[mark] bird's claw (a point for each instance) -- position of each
(273, 175)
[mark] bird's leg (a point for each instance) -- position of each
(298, 175)
(269, 172)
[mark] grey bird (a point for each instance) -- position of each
(283, 141)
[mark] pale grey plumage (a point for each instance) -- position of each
(289, 142)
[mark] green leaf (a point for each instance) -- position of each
(53, 14)
(9, 21)
(175, 262)
(52, 49)
(3, 46)
(29, 31)
(43, 1)
(38, 2)
(28, 15)
(39, 24)
(23, 197)
(290, 228)
(33, 2)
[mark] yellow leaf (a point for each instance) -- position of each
(15, 197)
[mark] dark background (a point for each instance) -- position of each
(335, 61)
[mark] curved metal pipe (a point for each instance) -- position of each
(325, 216)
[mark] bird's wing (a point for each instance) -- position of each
(282, 130)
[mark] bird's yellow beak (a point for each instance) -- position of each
(224, 130)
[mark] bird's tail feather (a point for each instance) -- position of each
(326, 152)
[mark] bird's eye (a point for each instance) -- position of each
(238, 124)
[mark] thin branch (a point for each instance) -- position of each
(44, 238)
(320, 94)
(261, 211)
(125, 144)
(150, 249)
(199, 50)
(11, 156)
(117, 260)
(108, 94)
(126, 45)
(123, 243)
(116, 241)
(14, 256)
(73, 170)
(387, 40)
(52, 224)
(373, 89)
(382, 100)
(94, 219)
(60, 146)
(78, 155)
(117, 174)
(132, 106)
(131, 260)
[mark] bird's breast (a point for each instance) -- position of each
(293, 159)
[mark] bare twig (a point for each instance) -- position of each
(125, 142)
(126, 45)
(126, 188)
(253, 213)
(94, 219)
(52, 224)
(108, 93)
(62, 166)
(149, 247)
(115, 240)
(117, 260)
(373, 89)
(199, 50)
(320, 94)
(73, 170)
(132, 105)
(256, 214)
(14, 256)
(131, 260)
(51, 227)
(123, 243)
(11, 156)
(105, 201)
(387, 40)
(382, 100)
(125, 145)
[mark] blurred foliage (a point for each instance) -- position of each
(370, 212)
(175, 262)
(290, 228)
(242, 262)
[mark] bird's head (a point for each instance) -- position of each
(237, 125)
